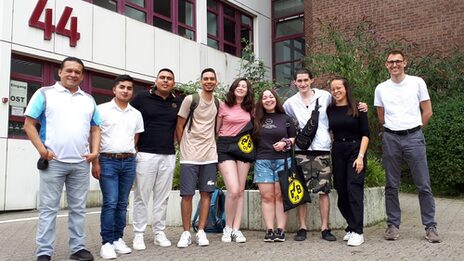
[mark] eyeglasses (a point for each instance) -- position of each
(392, 62)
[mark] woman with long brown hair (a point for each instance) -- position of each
(274, 134)
(234, 115)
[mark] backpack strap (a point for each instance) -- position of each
(212, 204)
(216, 102)
(193, 106)
(222, 207)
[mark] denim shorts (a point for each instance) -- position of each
(266, 171)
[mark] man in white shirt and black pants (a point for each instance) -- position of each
(404, 108)
(115, 168)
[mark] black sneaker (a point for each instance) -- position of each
(44, 258)
(279, 235)
(300, 235)
(269, 237)
(326, 235)
(82, 255)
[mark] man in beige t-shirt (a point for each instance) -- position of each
(198, 156)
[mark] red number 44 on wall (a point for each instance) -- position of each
(48, 26)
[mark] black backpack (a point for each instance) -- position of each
(305, 136)
(217, 217)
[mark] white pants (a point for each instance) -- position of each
(154, 173)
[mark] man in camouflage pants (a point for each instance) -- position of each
(315, 161)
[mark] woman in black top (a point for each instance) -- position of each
(274, 133)
(350, 132)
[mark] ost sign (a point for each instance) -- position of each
(48, 27)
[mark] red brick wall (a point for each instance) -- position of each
(431, 24)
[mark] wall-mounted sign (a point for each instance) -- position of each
(47, 24)
(18, 93)
(17, 111)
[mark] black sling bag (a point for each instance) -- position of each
(305, 136)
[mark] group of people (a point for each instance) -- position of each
(132, 139)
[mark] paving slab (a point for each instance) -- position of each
(17, 240)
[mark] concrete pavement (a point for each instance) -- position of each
(17, 240)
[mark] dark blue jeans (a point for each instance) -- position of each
(116, 179)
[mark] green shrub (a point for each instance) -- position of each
(445, 147)
(444, 74)
(375, 173)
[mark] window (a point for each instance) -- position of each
(107, 4)
(176, 16)
(227, 27)
(288, 38)
(28, 75)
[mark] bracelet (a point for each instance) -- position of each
(361, 155)
(288, 144)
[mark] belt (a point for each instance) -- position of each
(403, 132)
(117, 155)
(314, 153)
(347, 139)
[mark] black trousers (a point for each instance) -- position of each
(349, 184)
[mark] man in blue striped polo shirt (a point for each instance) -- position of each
(67, 116)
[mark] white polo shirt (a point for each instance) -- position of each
(65, 120)
(119, 127)
(296, 108)
(401, 102)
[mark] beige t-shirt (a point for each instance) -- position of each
(198, 146)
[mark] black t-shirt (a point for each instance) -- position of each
(159, 120)
(275, 127)
(343, 125)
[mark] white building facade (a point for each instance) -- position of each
(111, 37)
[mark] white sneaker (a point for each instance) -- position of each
(238, 237)
(161, 239)
(226, 235)
(121, 247)
(185, 240)
(201, 238)
(347, 236)
(138, 243)
(356, 239)
(107, 251)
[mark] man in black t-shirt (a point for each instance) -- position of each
(156, 158)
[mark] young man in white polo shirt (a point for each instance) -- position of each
(115, 168)
(404, 108)
(67, 116)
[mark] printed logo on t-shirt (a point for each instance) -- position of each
(269, 124)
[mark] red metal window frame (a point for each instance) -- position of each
(221, 17)
(276, 40)
(47, 78)
(150, 14)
